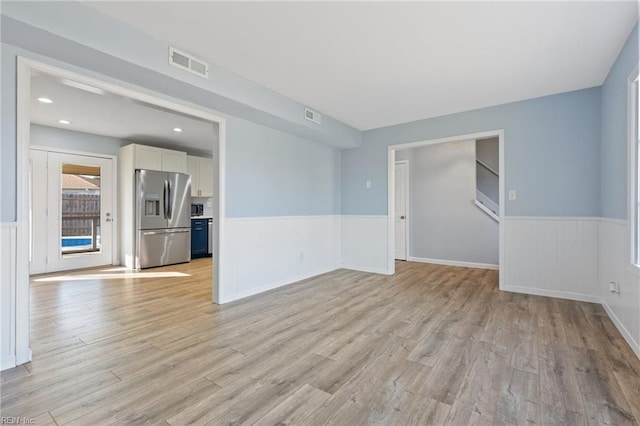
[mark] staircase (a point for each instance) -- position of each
(487, 178)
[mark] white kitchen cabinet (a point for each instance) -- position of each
(147, 157)
(192, 169)
(174, 161)
(201, 171)
(153, 158)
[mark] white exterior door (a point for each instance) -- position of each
(72, 212)
(401, 210)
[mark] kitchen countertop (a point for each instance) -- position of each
(201, 217)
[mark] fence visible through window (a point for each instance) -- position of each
(80, 209)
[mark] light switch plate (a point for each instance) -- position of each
(513, 195)
(367, 184)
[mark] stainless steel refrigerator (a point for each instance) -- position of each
(163, 218)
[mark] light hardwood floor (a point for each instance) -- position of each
(429, 345)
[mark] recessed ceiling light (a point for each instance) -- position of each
(45, 100)
(64, 122)
(177, 129)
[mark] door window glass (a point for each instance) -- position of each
(80, 205)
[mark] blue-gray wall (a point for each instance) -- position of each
(7, 135)
(613, 151)
(552, 150)
(281, 174)
(272, 173)
(300, 176)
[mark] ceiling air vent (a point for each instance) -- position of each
(312, 116)
(188, 62)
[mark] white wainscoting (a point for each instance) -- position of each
(263, 253)
(552, 256)
(364, 243)
(7, 291)
(615, 265)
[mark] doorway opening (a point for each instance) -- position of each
(84, 211)
(444, 186)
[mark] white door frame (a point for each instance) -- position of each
(406, 206)
(115, 251)
(24, 70)
(391, 200)
(632, 173)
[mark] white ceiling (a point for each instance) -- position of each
(116, 116)
(372, 64)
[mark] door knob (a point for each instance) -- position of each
(401, 217)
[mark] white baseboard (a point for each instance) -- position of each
(635, 346)
(267, 252)
(553, 293)
(454, 263)
(7, 363)
(274, 285)
(367, 269)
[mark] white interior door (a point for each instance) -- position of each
(401, 210)
(76, 203)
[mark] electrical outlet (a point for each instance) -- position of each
(613, 287)
(513, 195)
(367, 184)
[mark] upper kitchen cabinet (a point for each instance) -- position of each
(201, 171)
(174, 161)
(153, 158)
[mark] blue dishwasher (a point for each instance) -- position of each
(199, 238)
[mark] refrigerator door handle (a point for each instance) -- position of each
(170, 200)
(165, 199)
(166, 231)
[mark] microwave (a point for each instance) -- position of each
(197, 209)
